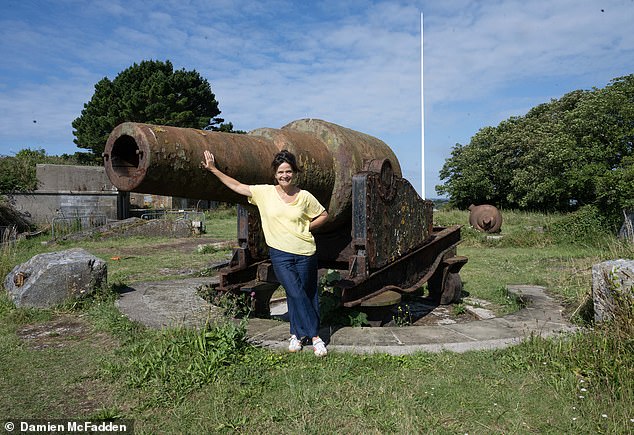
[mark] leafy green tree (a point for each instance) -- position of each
(150, 92)
(575, 151)
(540, 179)
(17, 173)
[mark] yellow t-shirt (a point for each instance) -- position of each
(285, 225)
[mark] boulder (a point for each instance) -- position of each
(612, 288)
(50, 279)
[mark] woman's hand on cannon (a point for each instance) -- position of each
(233, 184)
(210, 161)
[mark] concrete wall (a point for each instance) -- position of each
(68, 191)
(42, 207)
(73, 178)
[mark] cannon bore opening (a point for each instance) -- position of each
(125, 156)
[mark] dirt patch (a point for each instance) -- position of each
(62, 331)
(444, 315)
(86, 394)
(87, 397)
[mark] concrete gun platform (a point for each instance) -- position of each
(176, 303)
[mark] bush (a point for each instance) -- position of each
(586, 226)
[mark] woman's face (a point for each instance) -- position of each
(284, 174)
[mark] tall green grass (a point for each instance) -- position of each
(169, 364)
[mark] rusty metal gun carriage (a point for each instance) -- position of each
(379, 234)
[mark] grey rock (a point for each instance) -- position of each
(53, 278)
(137, 227)
(480, 313)
(611, 287)
(162, 227)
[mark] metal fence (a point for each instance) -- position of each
(62, 225)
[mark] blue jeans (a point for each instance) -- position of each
(298, 276)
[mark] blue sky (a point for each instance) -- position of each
(354, 63)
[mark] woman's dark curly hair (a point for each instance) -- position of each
(285, 156)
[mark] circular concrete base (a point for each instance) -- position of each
(176, 303)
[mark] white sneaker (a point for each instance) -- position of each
(319, 347)
(295, 344)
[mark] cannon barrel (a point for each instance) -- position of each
(166, 160)
(379, 234)
(486, 218)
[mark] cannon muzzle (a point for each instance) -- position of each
(166, 160)
(485, 218)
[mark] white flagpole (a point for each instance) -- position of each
(422, 112)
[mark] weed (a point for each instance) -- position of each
(403, 317)
(106, 414)
(356, 318)
(171, 363)
(332, 312)
(209, 249)
(235, 306)
(512, 301)
(459, 309)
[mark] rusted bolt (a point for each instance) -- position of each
(19, 279)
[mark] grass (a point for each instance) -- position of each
(36, 379)
(221, 223)
(211, 381)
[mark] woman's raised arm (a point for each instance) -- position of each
(231, 183)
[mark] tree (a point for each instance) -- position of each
(578, 150)
(150, 92)
(18, 172)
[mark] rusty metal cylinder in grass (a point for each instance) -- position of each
(166, 160)
(485, 218)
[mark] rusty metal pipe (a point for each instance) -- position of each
(166, 160)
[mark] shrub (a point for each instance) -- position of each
(586, 226)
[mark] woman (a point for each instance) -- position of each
(289, 215)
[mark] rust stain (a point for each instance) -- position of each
(19, 279)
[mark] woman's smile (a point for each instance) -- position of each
(284, 174)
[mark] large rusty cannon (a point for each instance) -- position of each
(379, 233)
